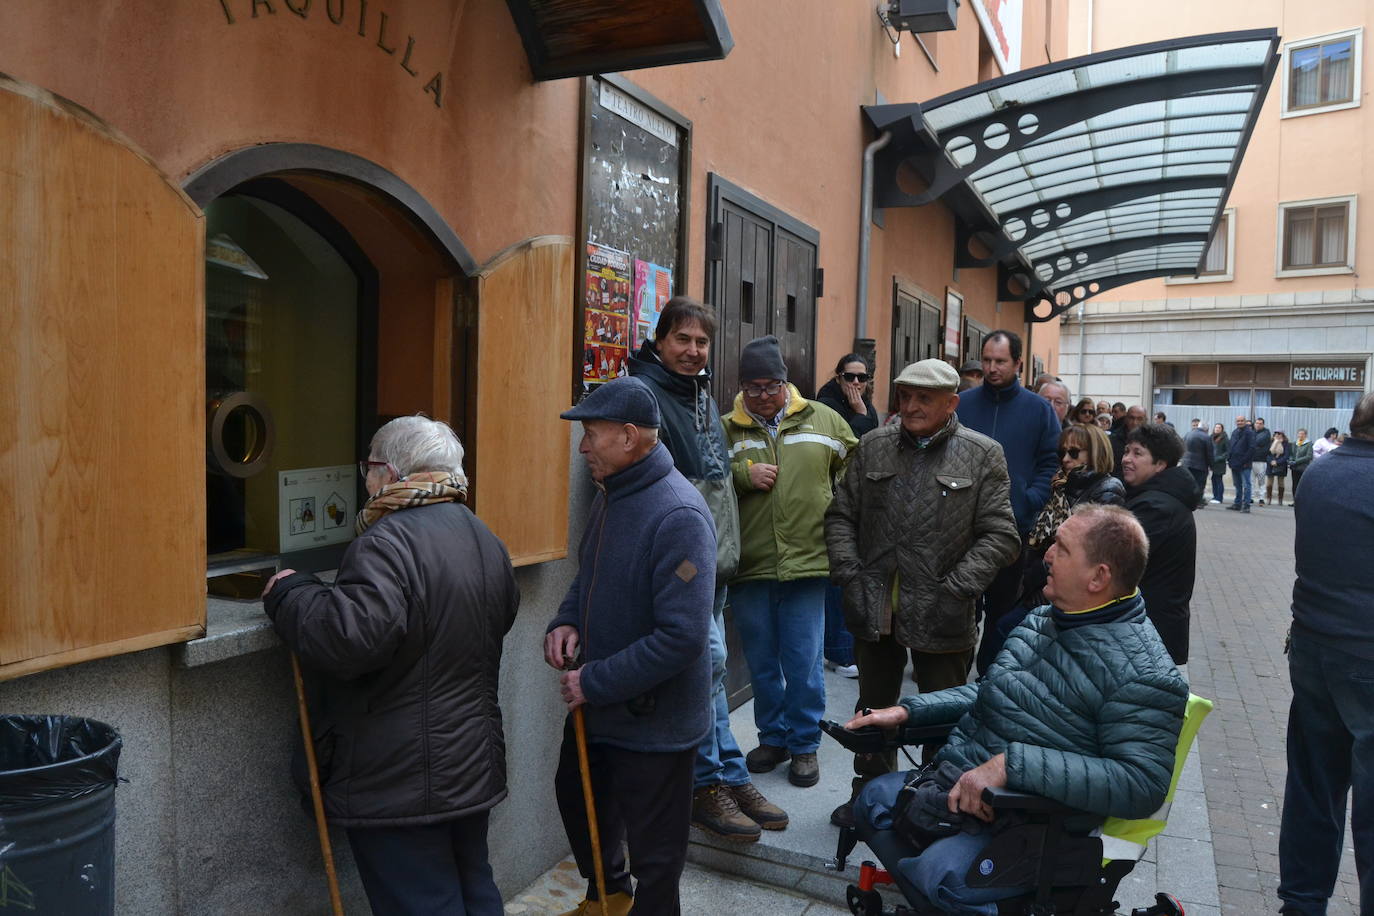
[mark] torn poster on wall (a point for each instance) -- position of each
(606, 336)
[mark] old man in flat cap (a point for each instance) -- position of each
(920, 524)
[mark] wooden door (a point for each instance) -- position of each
(102, 530)
(743, 311)
(794, 308)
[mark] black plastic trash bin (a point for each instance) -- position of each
(57, 812)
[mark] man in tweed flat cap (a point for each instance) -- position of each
(920, 524)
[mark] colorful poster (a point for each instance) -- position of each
(606, 335)
(653, 289)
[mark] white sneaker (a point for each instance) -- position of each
(850, 671)
(1216, 502)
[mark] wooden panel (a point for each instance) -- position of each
(102, 530)
(524, 334)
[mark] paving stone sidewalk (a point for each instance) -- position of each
(1240, 615)
(704, 893)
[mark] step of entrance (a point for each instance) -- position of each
(1179, 861)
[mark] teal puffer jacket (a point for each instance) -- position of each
(1087, 715)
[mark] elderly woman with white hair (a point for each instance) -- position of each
(402, 654)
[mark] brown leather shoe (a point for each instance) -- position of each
(715, 810)
(765, 757)
(617, 904)
(759, 809)
(805, 770)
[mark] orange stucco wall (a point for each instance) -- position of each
(499, 159)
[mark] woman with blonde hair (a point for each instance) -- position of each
(1280, 453)
(1085, 476)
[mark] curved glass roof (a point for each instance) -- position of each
(1088, 173)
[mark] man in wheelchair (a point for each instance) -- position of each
(1082, 707)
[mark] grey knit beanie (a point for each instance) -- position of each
(762, 358)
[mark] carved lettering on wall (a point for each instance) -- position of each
(387, 40)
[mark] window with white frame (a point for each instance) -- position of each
(1218, 263)
(1322, 73)
(1317, 236)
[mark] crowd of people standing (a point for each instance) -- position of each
(986, 518)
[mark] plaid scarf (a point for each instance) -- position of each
(424, 488)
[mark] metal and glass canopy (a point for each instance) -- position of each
(1085, 174)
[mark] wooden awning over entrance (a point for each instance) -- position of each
(565, 38)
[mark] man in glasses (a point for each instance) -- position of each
(785, 451)
(920, 525)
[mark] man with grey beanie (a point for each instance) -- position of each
(637, 616)
(785, 452)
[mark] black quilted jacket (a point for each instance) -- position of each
(938, 518)
(402, 656)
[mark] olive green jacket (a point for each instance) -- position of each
(782, 530)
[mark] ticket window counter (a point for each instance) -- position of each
(281, 338)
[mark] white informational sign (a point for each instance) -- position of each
(1001, 22)
(954, 324)
(315, 506)
(637, 113)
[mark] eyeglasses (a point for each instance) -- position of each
(758, 391)
(1071, 452)
(1086, 412)
(365, 467)
(855, 376)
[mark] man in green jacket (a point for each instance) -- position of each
(1082, 705)
(785, 453)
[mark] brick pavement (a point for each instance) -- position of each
(1240, 614)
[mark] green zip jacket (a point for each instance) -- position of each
(782, 532)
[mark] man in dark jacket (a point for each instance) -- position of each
(1026, 427)
(1238, 454)
(1082, 705)
(1259, 457)
(1163, 496)
(638, 617)
(920, 524)
(1197, 457)
(401, 656)
(1331, 720)
(674, 366)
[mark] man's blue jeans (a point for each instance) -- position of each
(839, 642)
(1330, 752)
(782, 625)
(938, 872)
(719, 760)
(1240, 477)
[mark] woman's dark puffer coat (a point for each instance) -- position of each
(1087, 715)
(402, 656)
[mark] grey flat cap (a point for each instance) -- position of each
(929, 373)
(972, 366)
(621, 400)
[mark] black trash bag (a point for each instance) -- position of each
(50, 758)
(57, 814)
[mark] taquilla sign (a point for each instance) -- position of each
(351, 16)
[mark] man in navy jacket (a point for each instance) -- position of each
(1026, 427)
(638, 615)
(1238, 459)
(1331, 721)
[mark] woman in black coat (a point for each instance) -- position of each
(402, 655)
(1085, 476)
(850, 394)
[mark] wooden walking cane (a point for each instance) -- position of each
(335, 902)
(580, 730)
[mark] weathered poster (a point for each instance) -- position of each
(606, 335)
(1001, 22)
(653, 289)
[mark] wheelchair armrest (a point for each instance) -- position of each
(1007, 800)
(873, 740)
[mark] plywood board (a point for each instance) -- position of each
(524, 343)
(102, 525)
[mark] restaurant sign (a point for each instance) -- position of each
(1328, 375)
